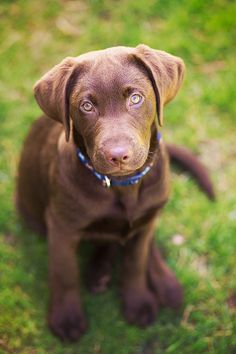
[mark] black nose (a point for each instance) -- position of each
(118, 154)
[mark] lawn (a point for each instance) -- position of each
(34, 36)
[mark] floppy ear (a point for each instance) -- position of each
(52, 92)
(166, 73)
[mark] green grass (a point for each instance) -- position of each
(34, 36)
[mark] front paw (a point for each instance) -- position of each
(66, 320)
(139, 307)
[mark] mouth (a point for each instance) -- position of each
(119, 172)
(122, 171)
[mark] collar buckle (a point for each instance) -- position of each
(106, 182)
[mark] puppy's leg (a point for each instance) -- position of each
(139, 303)
(162, 281)
(100, 268)
(65, 318)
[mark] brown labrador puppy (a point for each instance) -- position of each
(105, 108)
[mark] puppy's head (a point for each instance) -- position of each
(114, 97)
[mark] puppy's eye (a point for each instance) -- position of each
(135, 99)
(87, 106)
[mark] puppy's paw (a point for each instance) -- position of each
(67, 321)
(140, 308)
(167, 289)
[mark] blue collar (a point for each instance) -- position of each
(108, 182)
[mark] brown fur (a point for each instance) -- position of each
(60, 197)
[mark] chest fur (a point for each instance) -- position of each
(129, 213)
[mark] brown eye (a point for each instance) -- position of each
(135, 99)
(87, 106)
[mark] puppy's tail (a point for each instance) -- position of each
(190, 162)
